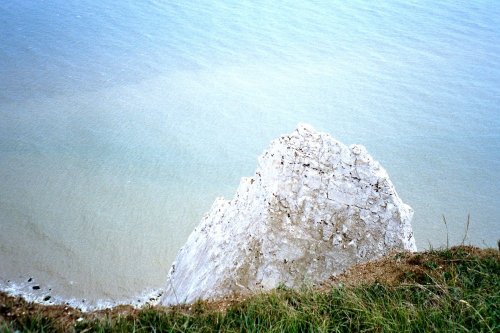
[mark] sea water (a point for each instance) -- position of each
(122, 121)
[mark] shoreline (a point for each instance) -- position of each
(33, 292)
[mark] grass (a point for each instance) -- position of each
(456, 289)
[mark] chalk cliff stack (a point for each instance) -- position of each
(313, 208)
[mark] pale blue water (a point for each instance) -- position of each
(120, 122)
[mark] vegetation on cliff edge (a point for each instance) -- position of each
(456, 289)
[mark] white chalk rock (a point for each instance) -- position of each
(313, 208)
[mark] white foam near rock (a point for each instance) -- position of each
(313, 208)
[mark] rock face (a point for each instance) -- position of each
(313, 208)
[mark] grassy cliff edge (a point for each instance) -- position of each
(455, 289)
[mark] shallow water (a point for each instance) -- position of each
(121, 123)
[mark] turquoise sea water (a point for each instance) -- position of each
(120, 122)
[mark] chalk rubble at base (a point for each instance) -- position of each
(313, 208)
